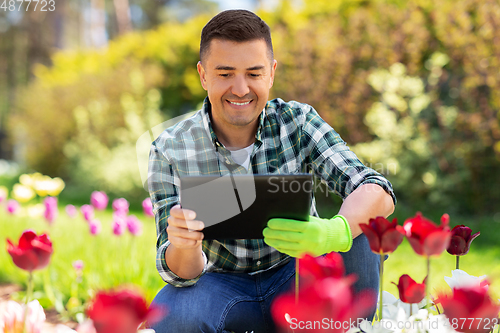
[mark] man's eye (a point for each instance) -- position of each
(224, 75)
(254, 75)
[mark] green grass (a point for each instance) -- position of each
(109, 260)
(112, 261)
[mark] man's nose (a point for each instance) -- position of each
(240, 87)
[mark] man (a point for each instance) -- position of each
(228, 285)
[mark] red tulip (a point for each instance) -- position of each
(120, 312)
(460, 240)
(409, 290)
(425, 237)
(33, 252)
(470, 309)
(325, 306)
(330, 265)
(383, 236)
(326, 296)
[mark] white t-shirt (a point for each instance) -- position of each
(242, 156)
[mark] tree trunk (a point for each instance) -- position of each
(122, 11)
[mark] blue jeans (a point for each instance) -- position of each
(238, 302)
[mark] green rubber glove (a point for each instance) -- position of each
(316, 237)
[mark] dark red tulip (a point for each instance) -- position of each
(460, 240)
(470, 310)
(425, 237)
(32, 252)
(120, 311)
(383, 236)
(409, 290)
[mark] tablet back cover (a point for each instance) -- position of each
(239, 206)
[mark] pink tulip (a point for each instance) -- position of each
(120, 206)
(3, 194)
(71, 210)
(12, 206)
(118, 225)
(88, 212)
(134, 225)
(147, 207)
(95, 226)
(99, 200)
(51, 210)
(78, 265)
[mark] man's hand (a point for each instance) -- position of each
(184, 232)
(317, 236)
(184, 254)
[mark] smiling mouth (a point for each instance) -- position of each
(240, 104)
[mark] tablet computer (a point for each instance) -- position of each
(238, 206)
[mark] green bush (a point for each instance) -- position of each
(326, 51)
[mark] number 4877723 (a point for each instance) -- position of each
(28, 5)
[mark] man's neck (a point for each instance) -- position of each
(236, 138)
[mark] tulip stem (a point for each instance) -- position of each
(297, 280)
(458, 262)
(427, 281)
(380, 304)
(29, 291)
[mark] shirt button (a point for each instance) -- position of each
(258, 263)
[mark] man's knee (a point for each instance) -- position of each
(360, 260)
(175, 323)
(184, 313)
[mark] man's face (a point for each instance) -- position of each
(237, 77)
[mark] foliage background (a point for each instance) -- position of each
(442, 149)
(411, 86)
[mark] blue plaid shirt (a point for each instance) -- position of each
(291, 138)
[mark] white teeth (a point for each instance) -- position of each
(240, 103)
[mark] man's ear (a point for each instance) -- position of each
(201, 72)
(273, 71)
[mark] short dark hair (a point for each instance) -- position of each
(237, 25)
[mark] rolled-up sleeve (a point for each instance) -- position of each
(163, 187)
(334, 162)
